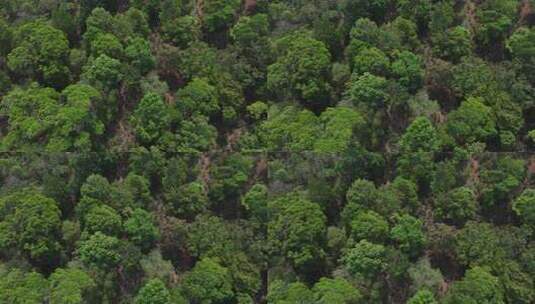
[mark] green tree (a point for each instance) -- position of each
(249, 30)
(198, 97)
(189, 200)
(301, 71)
(71, 286)
(408, 68)
(288, 293)
(371, 60)
(141, 229)
(256, 202)
(521, 47)
(368, 90)
(139, 54)
(208, 282)
(457, 206)
(63, 122)
(151, 118)
(524, 206)
(153, 292)
(100, 251)
(423, 297)
(454, 44)
(338, 127)
(30, 223)
(365, 259)
(219, 14)
(335, 291)
(41, 52)
(478, 244)
(104, 219)
(17, 286)
(104, 72)
(477, 286)
(370, 226)
(418, 146)
(181, 31)
(471, 122)
(297, 231)
(106, 44)
(408, 233)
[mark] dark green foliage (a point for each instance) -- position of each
(301, 71)
(30, 223)
(208, 282)
(40, 52)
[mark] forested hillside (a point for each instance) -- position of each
(267, 151)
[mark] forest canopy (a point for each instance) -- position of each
(267, 151)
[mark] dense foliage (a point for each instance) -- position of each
(267, 151)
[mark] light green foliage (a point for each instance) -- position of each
(289, 128)
(477, 286)
(365, 259)
(421, 135)
(208, 282)
(408, 68)
(289, 293)
(368, 90)
(139, 54)
(337, 131)
(423, 297)
(58, 122)
(256, 202)
(294, 130)
(153, 292)
(298, 230)
(457, 206)
(141, 229)
(335, 291)
(41, 51)
(195, 134)
(71, 286)
(371, 60)
(30, 223)
(361, 195)
(17, 286)
(198, 97)
(408, 233)
(471, 122)
(104, 72)
(370, 226)
(301, 71)
(478, 244)
(524, 206)
(100, 251)
(106, 44)
(151, 118)
(257, 110)
(104, 219)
